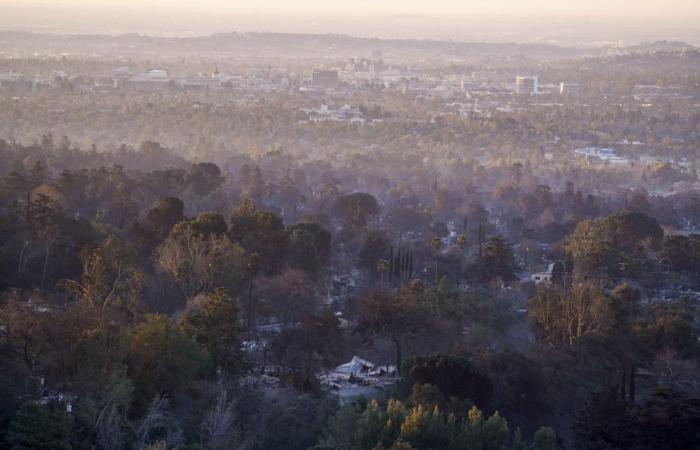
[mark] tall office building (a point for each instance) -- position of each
(526, 85)
(324, 78)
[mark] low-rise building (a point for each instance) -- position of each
(568, 88)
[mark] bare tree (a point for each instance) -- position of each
(217, 429)
(110, 430)
(156, 418)
(291, 293)
(676, 372)
(199, 263)
(562, 314)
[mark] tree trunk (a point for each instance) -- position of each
(249, 319)
(27, 214)
(20, 261)
(264, 358)
(632, 385)
(624, 383)
(49, 245)
(397, 343)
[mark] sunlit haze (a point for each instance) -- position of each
(671, 8)
(349, 225)
(577, 22)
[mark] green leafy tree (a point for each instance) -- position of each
(427, 395)
(310, 246)
(497, 261)
(612, 244)
(205, 224)
(342, 426)
(375, 247)
(161, 358)
(204, 178)
(315, 344)
(289, 295)
(519, 382)
(545, 439)
(393, 316)
(483, 434)
(164, 215)
(669, 325)
(39, 428)
(356, 209)
(361, 426)
(454, 376)
(369, 426)
(681, 254)
(212, 321)
(427, 428)
(603, 421)
(262, 233)
(518, 442)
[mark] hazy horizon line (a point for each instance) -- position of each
(560, 29)
(297, 33)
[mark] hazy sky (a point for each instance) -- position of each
(665, 8)
(567, 22)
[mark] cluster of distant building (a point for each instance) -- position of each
(158, 79)
(345, 113)
(529, 85)
(371, 72)
(607, 155)
(323, 79)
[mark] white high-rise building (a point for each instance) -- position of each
(526, 85)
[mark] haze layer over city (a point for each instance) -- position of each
(398, 225)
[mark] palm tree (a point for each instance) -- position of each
(462, 241)
(382, 267)
(436, 244)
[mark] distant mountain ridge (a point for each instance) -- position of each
(306, 45)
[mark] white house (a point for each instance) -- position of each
(543, 277)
